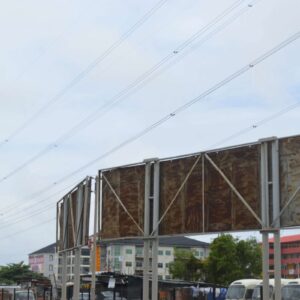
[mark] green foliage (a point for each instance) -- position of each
(231, 259)
(14, 273)
(186, 266)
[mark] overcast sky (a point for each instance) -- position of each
(45, 45)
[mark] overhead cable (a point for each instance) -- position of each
(134, 86)
(83, 73)
(201, 97)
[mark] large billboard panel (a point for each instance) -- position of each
(207, 203)
(73, 217)
(128, 186)
(289, 154)
(208, 192)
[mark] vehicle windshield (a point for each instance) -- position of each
(236, 292)
(256, 293)
(24, 295)
(290, 292)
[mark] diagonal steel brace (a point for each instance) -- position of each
(122, 204)
(234, 189)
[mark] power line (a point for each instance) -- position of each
(25, 217)
(83, 73)
(180, 109)
(183, 107)
(135, 85)
(239, 133)
(27, 229)
(258, 123)
(18, 205)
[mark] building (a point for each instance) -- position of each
(44, 261)
(126, 256)
(290, 256)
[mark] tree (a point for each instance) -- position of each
(186, 266)
(14, 273)
(230, 259)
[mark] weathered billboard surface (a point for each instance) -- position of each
(129, 184)
(73, 217)
(205, 190)
(207, 203)
(289, 155)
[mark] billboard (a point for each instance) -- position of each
(73, 217)
(289, 157)
(207, 192)
(123, 192)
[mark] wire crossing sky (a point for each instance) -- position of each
(144, 95)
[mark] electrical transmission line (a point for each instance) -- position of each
(83, 73)
(135, 85)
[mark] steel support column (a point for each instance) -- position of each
(265, 217)
(64, 276)
(96, 198)
(155, 241)
(146, 232)
(76, 287)
(276, 212)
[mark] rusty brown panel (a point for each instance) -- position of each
(224, 210)
(289, 150)
(129, 184)
(185, 215)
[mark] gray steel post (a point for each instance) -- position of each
(93, 284)
(79, 227)
(76, 287)
(277, 265)
(146, 232)
(265, 216)
(155, 233)
(276, 212)
(64, 276)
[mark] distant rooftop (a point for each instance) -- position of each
(287, 239)
(48, 249)
(176, 241)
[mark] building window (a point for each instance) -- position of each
(168, 252)
(139, 264)
(160, 252)
(167, 265)
(196, 253)
(85, 252)
(128, 251)
(85, 261)
(160, 277)
(139, 251)
(51, 257)
(85, 270)
(128, 264)
(168, 277)
(117, 264)
(117, 251)
(160, 265)
(50, 268)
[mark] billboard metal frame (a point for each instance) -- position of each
(268, 220)
(72, 231)
(266, 216)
